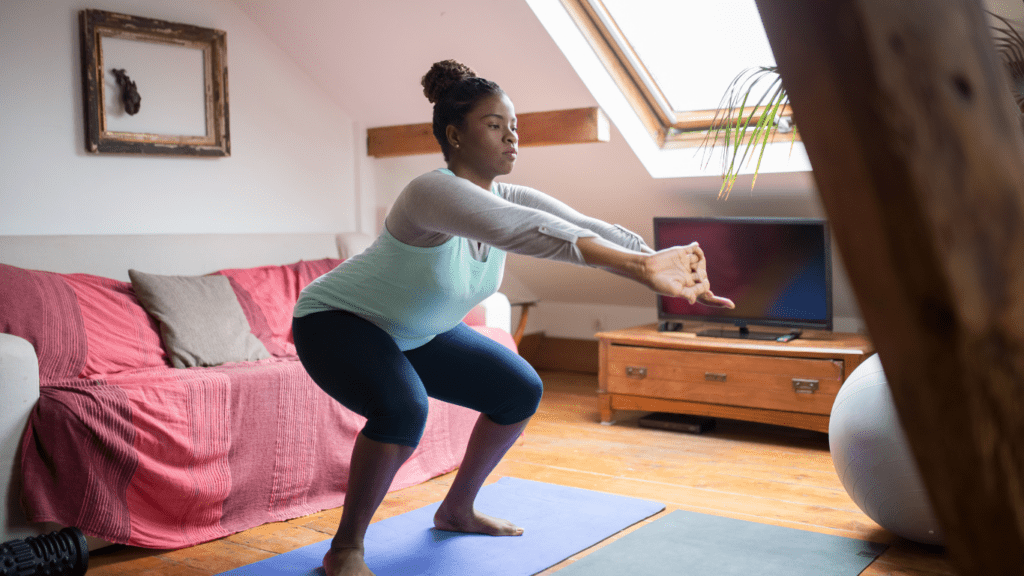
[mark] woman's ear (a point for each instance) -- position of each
(452, 133)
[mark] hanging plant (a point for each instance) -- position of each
(1010, 45)
(733, 117)
(733, 124)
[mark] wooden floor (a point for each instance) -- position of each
(740, 470)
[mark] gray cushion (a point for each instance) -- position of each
(201, 321)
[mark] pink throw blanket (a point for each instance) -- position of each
(165, 458)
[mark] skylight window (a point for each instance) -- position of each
(693, 60)
(659, 69)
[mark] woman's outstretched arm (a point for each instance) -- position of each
(680, 271)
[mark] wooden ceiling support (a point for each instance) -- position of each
(918, 154)
(575, 126)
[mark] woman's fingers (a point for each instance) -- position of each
(682, 272)
(690, 294)
(696, 249)
(709, 299)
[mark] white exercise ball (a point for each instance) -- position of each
(872, 457)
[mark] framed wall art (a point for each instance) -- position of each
(153, 87)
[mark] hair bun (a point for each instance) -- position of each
(442, 76)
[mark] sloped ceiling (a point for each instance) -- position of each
(369, 54)
(364, 52)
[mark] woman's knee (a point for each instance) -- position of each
(398, 421)
(522, 399)
(533, 391)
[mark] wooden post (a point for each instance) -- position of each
(917, 151)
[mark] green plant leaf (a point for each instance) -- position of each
(732, 124)
(777, 98)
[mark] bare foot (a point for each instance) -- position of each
(475, 523)
(345, 562)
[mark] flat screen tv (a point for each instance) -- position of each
(778, 272)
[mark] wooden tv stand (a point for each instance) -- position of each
(786, 383)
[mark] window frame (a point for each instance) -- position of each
(670, 129)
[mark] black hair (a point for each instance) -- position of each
(453, 88)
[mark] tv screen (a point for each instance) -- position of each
(778, 272)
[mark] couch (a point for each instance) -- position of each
(110, 427)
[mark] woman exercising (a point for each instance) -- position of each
(383, 331)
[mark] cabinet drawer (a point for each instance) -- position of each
(756, 381)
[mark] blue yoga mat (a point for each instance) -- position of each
(685, 543)
(559, 521)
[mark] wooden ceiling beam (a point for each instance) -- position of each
(575, 126)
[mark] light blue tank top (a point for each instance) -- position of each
(412, 293)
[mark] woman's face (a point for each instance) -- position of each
(489, 143)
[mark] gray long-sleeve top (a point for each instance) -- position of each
(438, 205)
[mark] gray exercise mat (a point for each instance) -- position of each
(685, 543)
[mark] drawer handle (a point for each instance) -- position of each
(637, 372)
(714, 377)
(803, 386)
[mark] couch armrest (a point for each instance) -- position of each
(19, 388)
(352, 243)
(497, 312)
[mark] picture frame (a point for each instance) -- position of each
(153, 87)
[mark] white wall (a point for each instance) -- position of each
(293, 164)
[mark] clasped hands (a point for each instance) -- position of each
(681, 271)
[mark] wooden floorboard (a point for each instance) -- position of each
(748, 471)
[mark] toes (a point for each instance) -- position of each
(479, 524)
(505, 528)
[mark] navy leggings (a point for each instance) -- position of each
(359, 365)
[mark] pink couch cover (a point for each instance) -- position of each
(136, 452)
